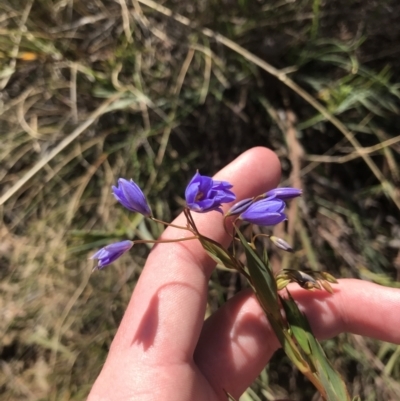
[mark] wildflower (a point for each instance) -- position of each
(131, 196)
(265, 212)
(278, 193)
(110, 253)
(203, 194)
(284, 193)
(240, 206)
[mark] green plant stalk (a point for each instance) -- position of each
(269, 302)
(315, 20)
(301, 347)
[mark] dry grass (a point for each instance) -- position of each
(92, 91)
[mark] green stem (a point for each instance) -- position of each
(163, 241)
(170, 224)
(191, 222)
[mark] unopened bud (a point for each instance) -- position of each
(280, 243)
(240, 207)
(284, 193)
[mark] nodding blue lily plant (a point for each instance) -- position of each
(203, 195)
(206, 195)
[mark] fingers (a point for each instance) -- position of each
(165, 315)
(237, 341)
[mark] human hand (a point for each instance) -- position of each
(164, 350)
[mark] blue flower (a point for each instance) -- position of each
(131, 196)
(240, 206)
(265, 212)
(203, 194)
(284, 193)
(277, 193)
(110, 253)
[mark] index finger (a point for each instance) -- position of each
(167, 308)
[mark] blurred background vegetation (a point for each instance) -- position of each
(98, 89)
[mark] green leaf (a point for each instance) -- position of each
(296, 322)
(313, 362)
(218, 253)
(331, 380)
(265, 288)
(263, 280)
(290, 347)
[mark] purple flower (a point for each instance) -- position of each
(240, 206)
(109, 253)
(284, 193)
(131, 196)
(203, 194)
(277, 193)
(265, 212)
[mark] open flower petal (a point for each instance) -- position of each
(203, 194)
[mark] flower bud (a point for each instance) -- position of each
(280, 243)
(110, 253)
(131, 196)
(240, 206)
(284, 193)
(265, 212)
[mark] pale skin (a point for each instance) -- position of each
(164, 350)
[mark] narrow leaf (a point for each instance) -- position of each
(333, 383)
(219, 254)
(262, 278)
(296, 322)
